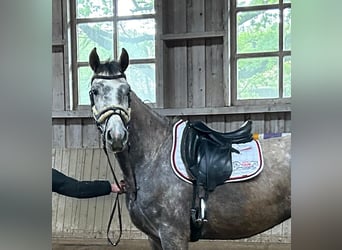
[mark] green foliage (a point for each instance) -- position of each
(136, 36)
(258, 31)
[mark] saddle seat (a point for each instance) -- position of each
(240, 135)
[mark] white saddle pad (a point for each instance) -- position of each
(246, 165)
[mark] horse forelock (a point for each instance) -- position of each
(109, 68)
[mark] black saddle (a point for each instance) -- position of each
(207, 154)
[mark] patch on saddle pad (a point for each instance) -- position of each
(246, 165)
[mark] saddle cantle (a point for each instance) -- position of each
(207, 153)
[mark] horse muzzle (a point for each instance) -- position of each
(116, 141)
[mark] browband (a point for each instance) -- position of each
(122, 75)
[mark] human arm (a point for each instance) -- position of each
(71, 187)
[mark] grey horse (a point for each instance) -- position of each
(157, 200)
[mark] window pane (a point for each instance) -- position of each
(90, 35)
(94, 8)
(287, 76)
(257, 78)
(141, 78)
(287, 29)
(134, 7)
(137, 37)
(241, 3)
(287, 1)
(258, 31)
(84, 77)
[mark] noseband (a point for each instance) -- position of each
(100, 116)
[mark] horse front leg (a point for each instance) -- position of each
(155, 243)
(174, 238)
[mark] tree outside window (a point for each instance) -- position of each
(261, 49)
(110, 25)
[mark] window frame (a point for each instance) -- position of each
(235, 56)
(75, 65)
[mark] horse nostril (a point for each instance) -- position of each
(109, 136)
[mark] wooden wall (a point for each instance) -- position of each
(192, 82)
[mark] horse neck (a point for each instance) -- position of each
(148, 131)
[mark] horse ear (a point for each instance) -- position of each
(94, 60)
(124, 60)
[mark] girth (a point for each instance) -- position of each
(207, 154)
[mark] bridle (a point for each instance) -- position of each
(100, 117)
(104, 114)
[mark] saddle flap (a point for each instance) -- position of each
(214, 165)
(207, 158)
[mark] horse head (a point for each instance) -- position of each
(110, 99)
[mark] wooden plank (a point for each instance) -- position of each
(260, 108)
(78, 202)
(217, 122)
(90, 134)
(59, 198)
(73, 133)
(57, 21)
(258, 123)
(70, 202)
(86, 176)
(94, 169)
(62, 199)
(196, 54)
(83, 203)
(160, 51)
(56, 163)
(57, 82)
(274, 123)
(214, 82)
(193, 35)
(216, 92)
(107, 207)
(234, 122)
(286, 229)
(287, 125)
(176, 74)
(100, 200)
(58, 133)
(223, 110)
(105, 174)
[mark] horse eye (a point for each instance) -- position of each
(94, 91)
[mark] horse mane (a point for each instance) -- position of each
(160, 118)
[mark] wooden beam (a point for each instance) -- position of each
(192, 35)
(266, 108)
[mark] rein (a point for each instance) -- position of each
(116, 203)
(100, 117)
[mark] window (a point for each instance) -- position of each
(260, 50)
(110, 25)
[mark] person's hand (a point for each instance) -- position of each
(116, 189)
